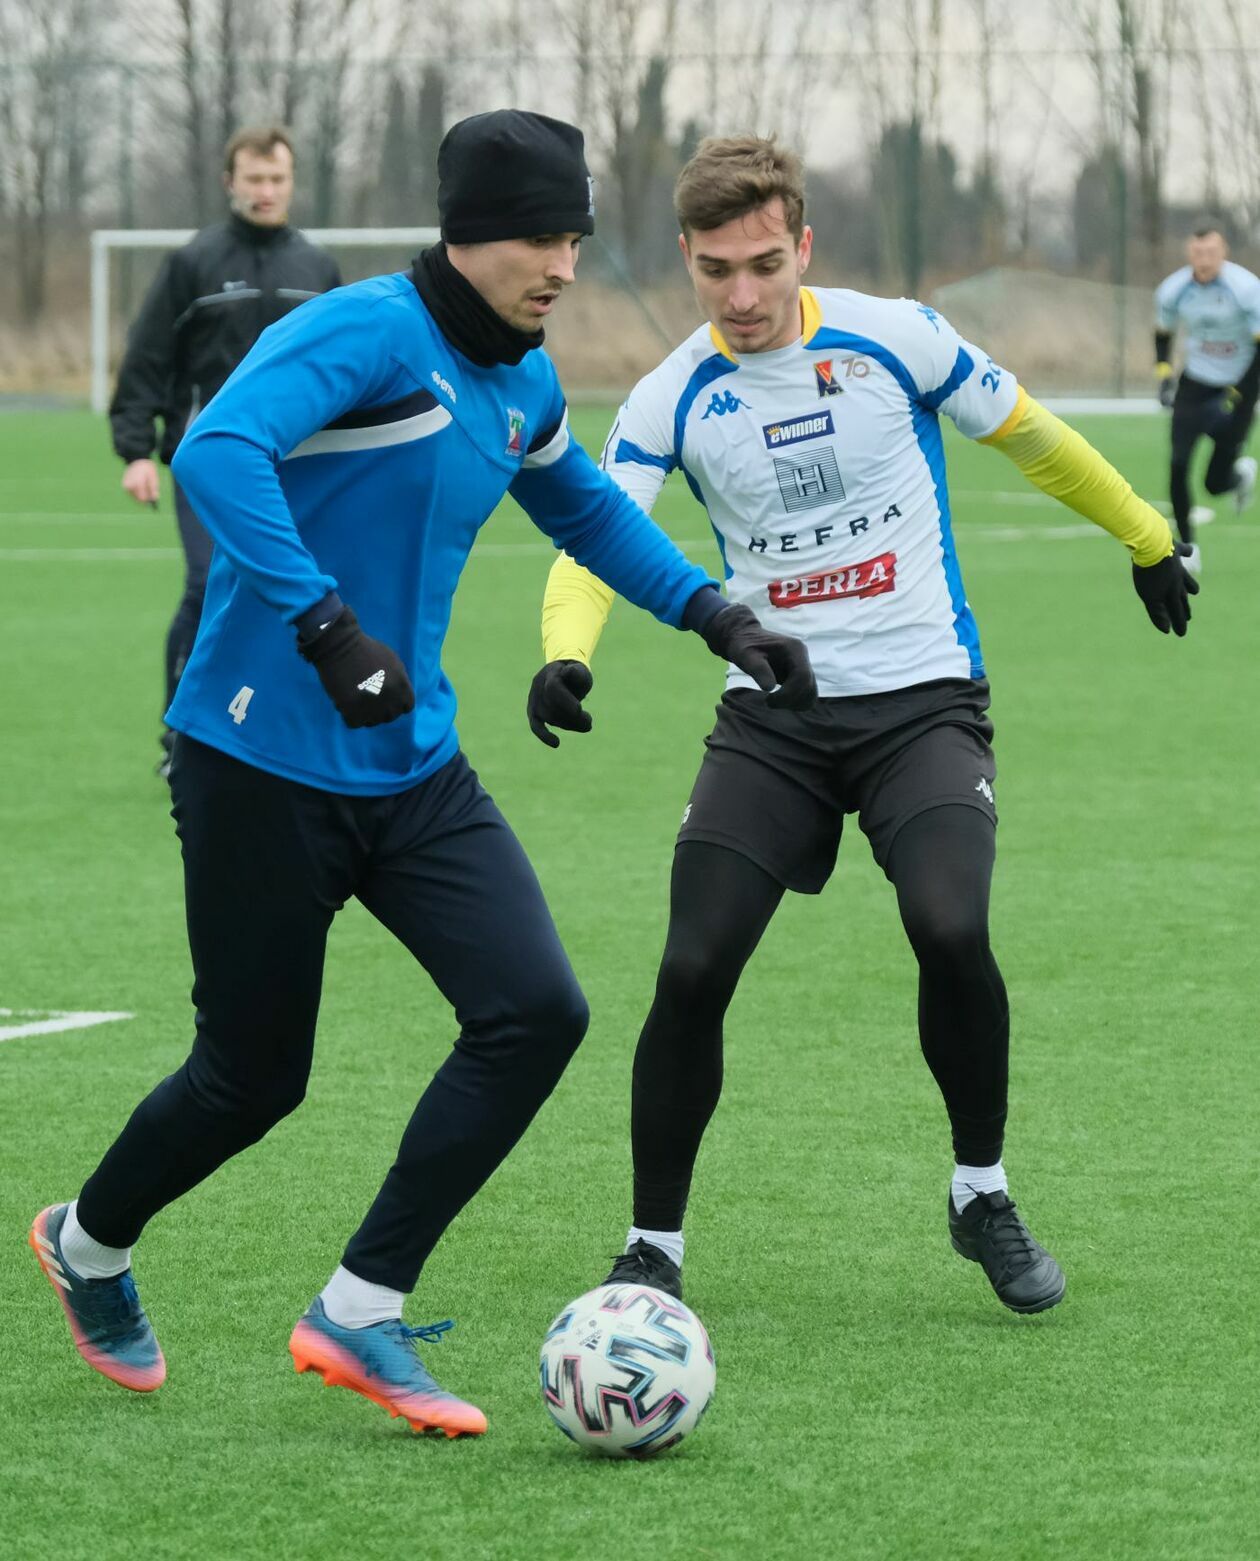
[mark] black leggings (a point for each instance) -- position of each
(720, 905)
(1196, 415)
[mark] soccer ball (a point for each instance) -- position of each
(627, 1371)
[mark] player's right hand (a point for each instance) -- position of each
(1166, 589)
(555, 699)
(736, 634)
(363, 677)
(140, 480)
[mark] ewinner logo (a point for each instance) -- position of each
(813, 426)
(871, 578)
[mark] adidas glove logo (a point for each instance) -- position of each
(375, 683)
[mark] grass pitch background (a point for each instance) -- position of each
(873, 1400)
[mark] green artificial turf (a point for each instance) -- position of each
(873, 1398)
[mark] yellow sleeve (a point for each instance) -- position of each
(1058, 461)
(575, 609)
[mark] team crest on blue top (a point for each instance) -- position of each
(825, 379)
(516, 427)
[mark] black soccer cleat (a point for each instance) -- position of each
(990, 1232)
(645, 1264)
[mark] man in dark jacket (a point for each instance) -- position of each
(207, 307)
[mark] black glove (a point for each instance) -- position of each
(1167, 391)
(1166, 589)
(555, 699)
(767, 658)
(363, 678)
(1222, 409)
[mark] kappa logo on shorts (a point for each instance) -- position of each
(985, 790)
(871, 578)
(812, 426)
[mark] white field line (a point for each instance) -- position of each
(56, 1020)
(28, 517)
(87, 555)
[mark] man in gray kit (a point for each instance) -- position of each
(1218, 302)
(208, 305)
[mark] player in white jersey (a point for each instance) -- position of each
(1218, 304)
(807, 423)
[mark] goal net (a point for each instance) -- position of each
(399, 243)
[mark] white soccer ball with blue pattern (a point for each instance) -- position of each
(627, 1371)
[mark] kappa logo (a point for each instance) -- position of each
(444, 385)
(812, 426)
(825, 379)
(375, 683)
(721, 404)
(516, 427)
(872, 577)
(985, 790)
(234, 287)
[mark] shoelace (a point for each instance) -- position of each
(1010, 1235)
(634, 1265)
(112, 1304)
(428, 1333)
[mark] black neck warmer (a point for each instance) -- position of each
(464, 317)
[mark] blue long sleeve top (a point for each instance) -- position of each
(355, 451)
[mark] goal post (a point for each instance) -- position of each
(106, 240)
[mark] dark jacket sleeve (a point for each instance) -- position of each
(333, 278)
(144, 379)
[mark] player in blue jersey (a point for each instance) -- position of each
(352, 458)
(1218, 303)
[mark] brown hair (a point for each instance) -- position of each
(729, 176)
(254, 138)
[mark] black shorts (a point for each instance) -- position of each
(775, 785)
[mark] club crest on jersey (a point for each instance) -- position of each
(872, 577)
(516, 427)
(812, 426)
(828, 384)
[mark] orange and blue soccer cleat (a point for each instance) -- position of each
(381, 1363)
(109, 1326)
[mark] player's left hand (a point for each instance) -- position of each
(555, 699)
(1166, 589)
(1222, 410)
(770, 659)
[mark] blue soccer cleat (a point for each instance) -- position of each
(109, 1326)
(381, 1363)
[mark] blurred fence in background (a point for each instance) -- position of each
(1033, 170)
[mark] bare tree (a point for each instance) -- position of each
(41, 38)
(902, 79)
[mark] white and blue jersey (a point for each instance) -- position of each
(822, 470)
(355, 450)
(1221, 319)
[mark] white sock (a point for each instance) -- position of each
(352, 1302)
(670, 1242)
(88, 1258)
(971, 1179)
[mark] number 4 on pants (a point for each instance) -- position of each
(239, 707)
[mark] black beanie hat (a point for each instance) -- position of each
(509, 174)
